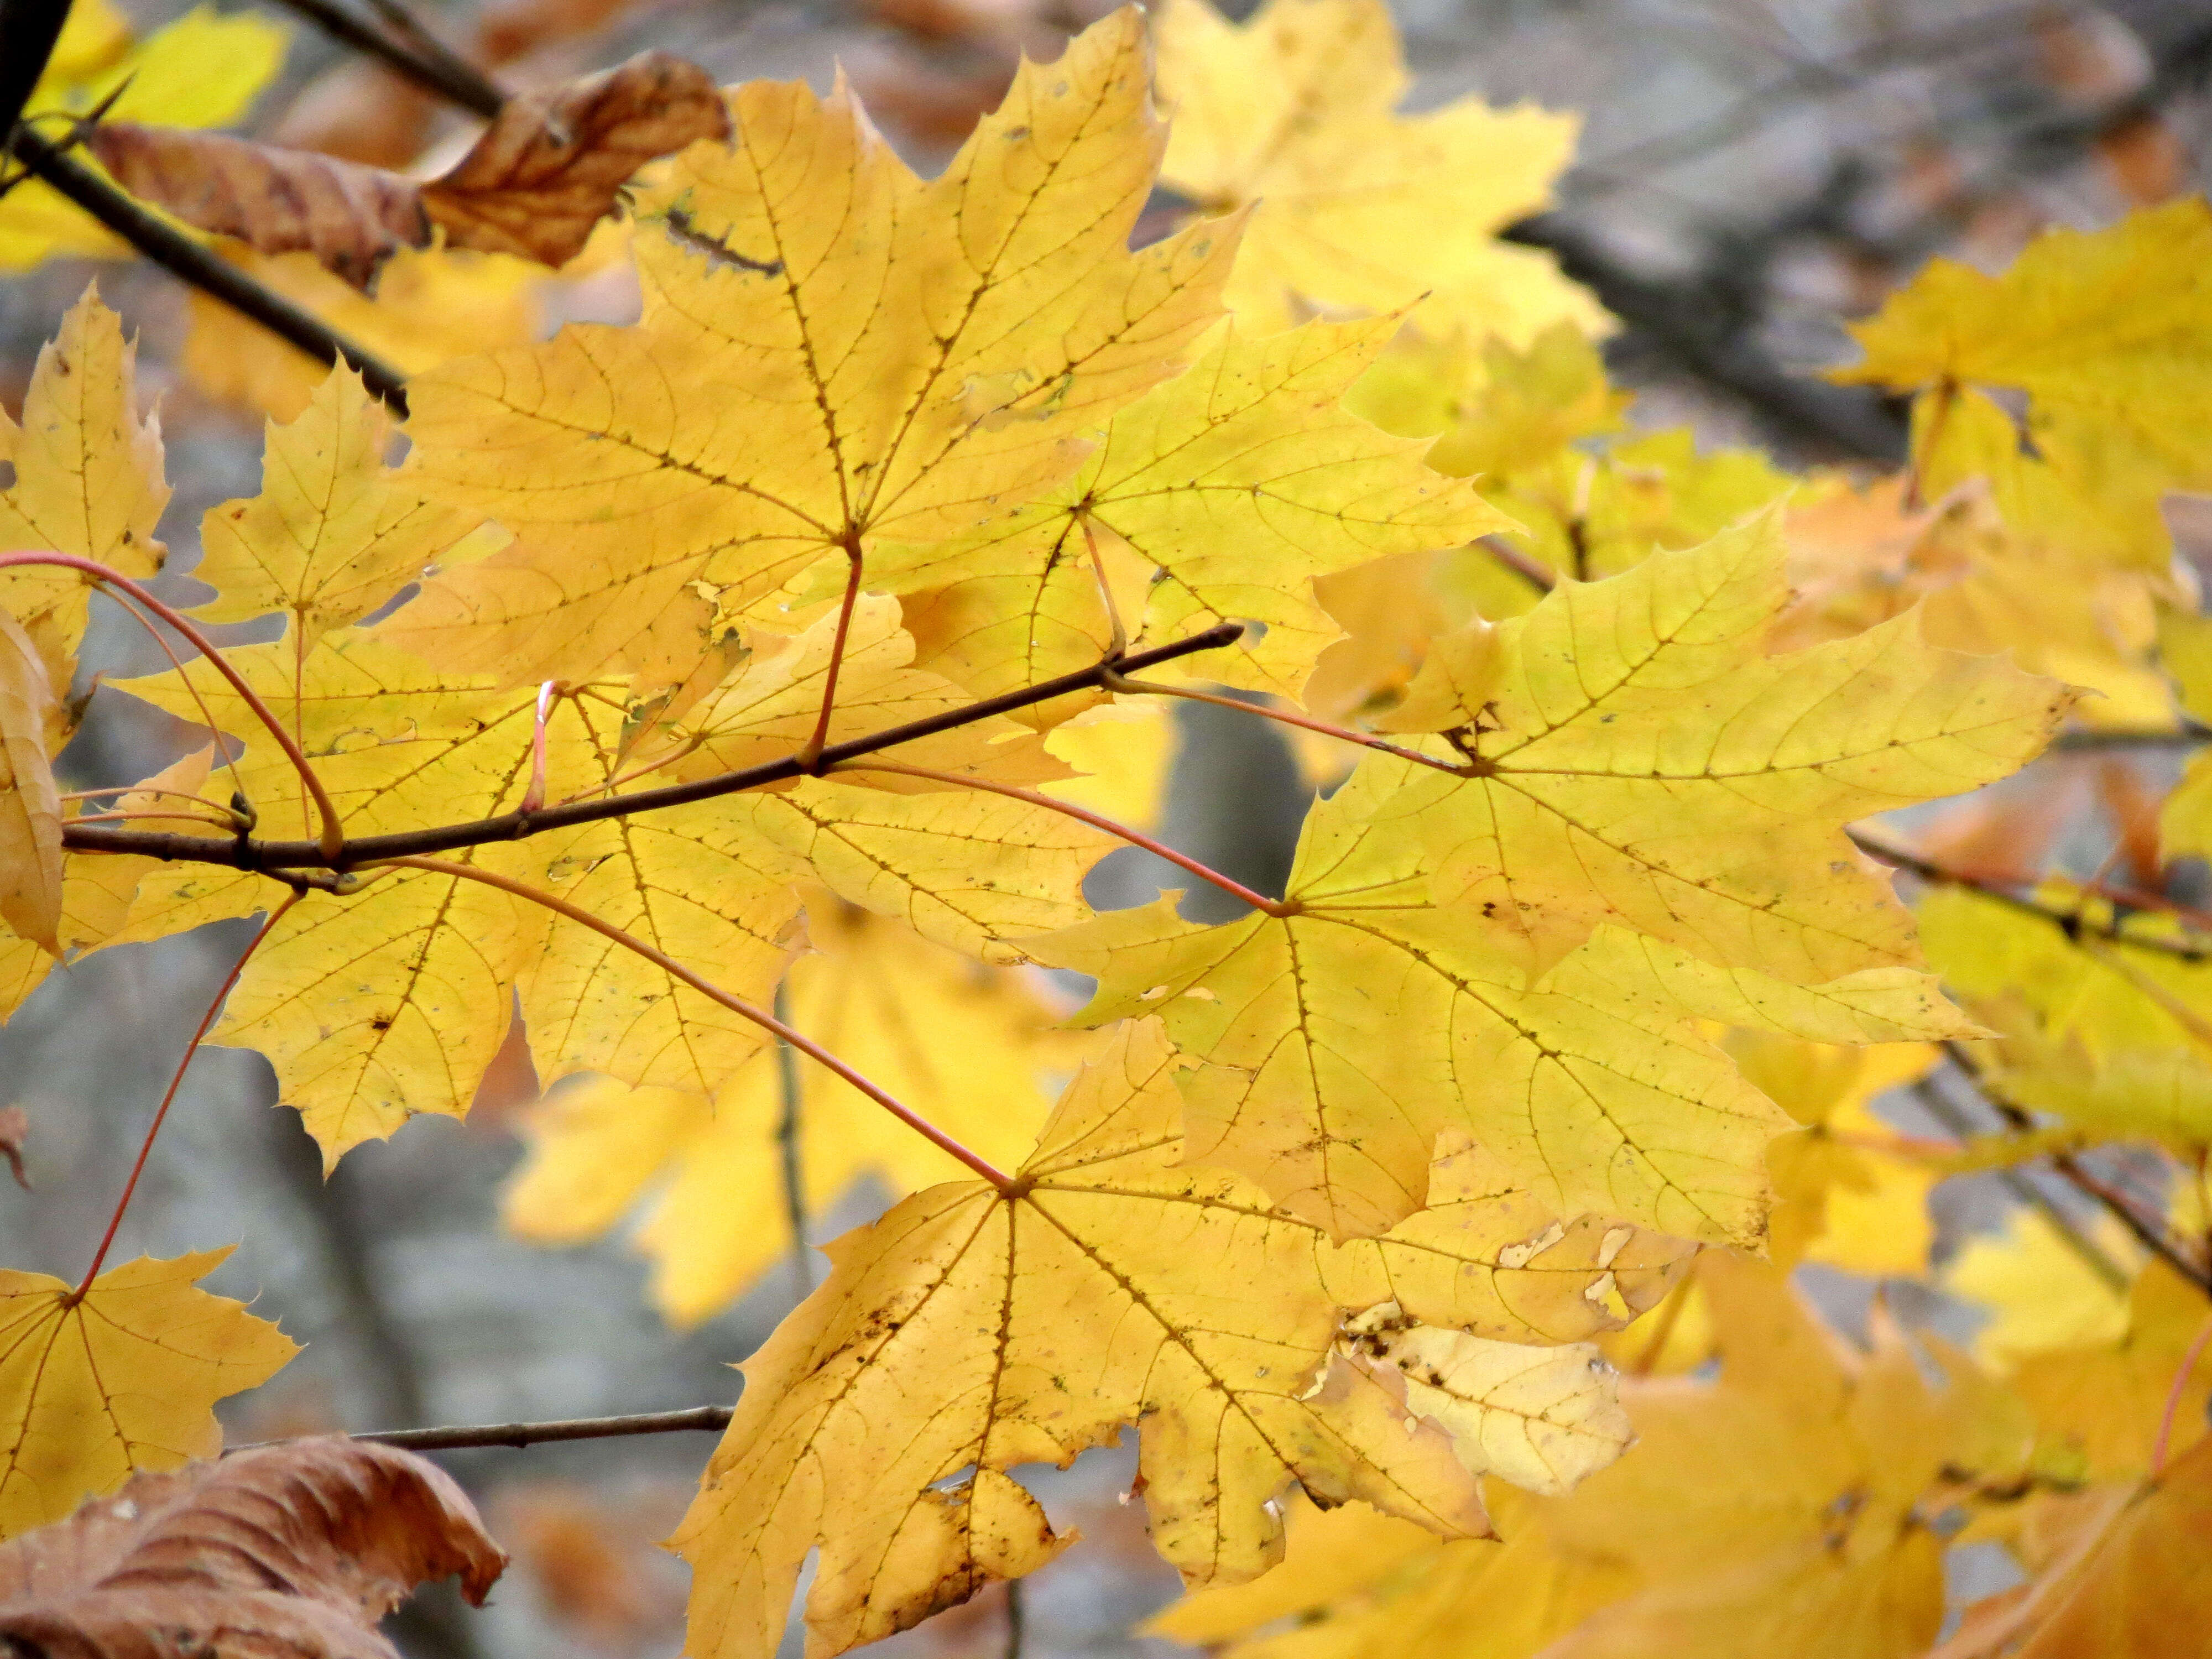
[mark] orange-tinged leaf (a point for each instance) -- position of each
(297, 1549)
(1108, 1284)
(124, 1380)
(30, 807)
(2103, 1403)
(834, 353)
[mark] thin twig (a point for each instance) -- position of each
(713, 993)
(1285, 717)
(31, 29)
(168, 1098)
(424, 59)
(820, 740)
(2066, 921)
(2181, 1376)
(710, 1419)
(1537, 574)
(289, 855)
(332, 844)
(189, 262)
(788, 1126)
(1158, 849)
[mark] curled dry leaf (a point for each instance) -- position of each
(546, 171)
(541, 176)
(30, 809)
(283, 200)
(288, 1552)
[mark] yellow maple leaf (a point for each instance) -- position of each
(201, 71)
(833, 353)
(2038, 1289)
(30, 807)
(125, 1379)
(332, 536)
(1859, 557)
(1112, 1283)
(1224, 490)
(966, 1045)
(1636, 758)
(2109, 335)
(1348, 1033)
(1837, 1200)
(1354, 1582)
(1124, 753)
(1359, 208)
(1778, 1511)
(88, 473)
(375, 1006)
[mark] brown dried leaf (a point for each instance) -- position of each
(547, 170)
(30, 809)
(541, 175)
(289, 1551)
(350, 217)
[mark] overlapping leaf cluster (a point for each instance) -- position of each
(684, 670)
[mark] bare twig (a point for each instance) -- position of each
(697, 1419)
(187, 260)
(30, 28)
(788, 1128)
(422, 57)
(278, 856)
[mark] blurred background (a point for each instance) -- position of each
(1748, 173)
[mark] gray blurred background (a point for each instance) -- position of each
(1750, 170)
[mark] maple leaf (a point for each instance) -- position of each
(2108, 334)
(1359, 208)
(1348, 1033)
(1211, 498)
(30, 807)
(1637, 758)
(375, 1006)
(125, 1379)
(833, 353)
(87, 475)
(2103, 1402)
(332, 536)
(1111, 1283)
(1791, 1491)
(1354, 1582)
(1837, 1200)
(201, 71)
(2041, 1290)
(964, 1045)
(299, 1548)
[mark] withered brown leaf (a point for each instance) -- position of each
(544, 172)
(292, 1551)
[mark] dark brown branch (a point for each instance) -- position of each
(424, 58)
(277, 856)
(185, 258)
(28, 30)
(710, 1419)
(2075, 927)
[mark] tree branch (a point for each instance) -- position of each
(31, 29)
(189, 262)
(703, 1419)
(277, 856)
(2073, 925)
(427, 61)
